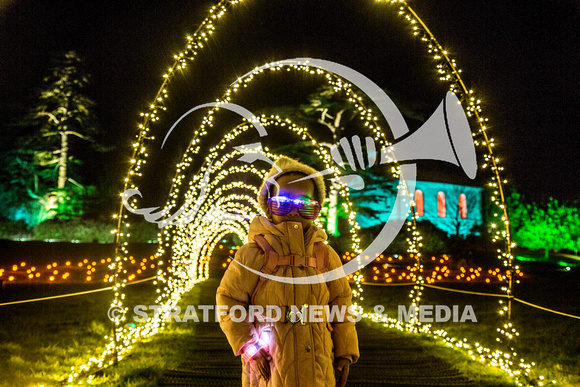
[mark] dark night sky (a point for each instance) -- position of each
(523, 59)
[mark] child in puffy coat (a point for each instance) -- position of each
(291, 349)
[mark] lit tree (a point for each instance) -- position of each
(27, 176)
(63, 110)
(36, 176)
(22, 178)
(329, 109)
(573, 223)
(333, 112)
(549, 226)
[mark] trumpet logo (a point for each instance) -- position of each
(445, 136)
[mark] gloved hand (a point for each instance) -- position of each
(342, 366)
(262, 362)
(257, 354)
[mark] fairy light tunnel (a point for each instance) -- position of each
(185, 247)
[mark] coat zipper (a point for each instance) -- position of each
(295, 338)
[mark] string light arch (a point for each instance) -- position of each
(180, 243)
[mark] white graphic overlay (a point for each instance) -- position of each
(445, 136)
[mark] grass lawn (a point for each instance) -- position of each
(39, 342)
(150, 357)
(551, 341)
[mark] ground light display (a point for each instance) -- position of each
(217, 198)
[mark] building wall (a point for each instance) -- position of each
(449, 216)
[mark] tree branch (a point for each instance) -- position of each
(322, 119)
(50, 115)
(77, 134)
(338, 118)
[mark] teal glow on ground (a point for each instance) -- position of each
(570, 260)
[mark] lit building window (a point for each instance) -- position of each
(419, 202)
(462, 206)
(441, 204)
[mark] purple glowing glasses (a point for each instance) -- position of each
(282, 206)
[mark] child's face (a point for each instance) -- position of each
(300, 190)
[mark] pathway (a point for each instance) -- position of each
(387, 359)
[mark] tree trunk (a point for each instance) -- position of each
(546, 253)
(332, 226)
(62, 160)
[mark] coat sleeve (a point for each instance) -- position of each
(344, 336)
(235, 291)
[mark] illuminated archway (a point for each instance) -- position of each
(448, 72)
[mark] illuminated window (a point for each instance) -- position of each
(441, 204)
(462, 206)
(419, 202)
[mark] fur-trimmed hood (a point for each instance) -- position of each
(287, 165)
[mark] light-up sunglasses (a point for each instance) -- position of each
(282, 206)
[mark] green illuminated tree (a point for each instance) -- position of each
(22, 177)
(572, 228)
(36, 174)
(64, 111)
(551, 225)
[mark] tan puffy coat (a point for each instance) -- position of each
(302, 355)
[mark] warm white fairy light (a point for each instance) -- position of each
(190, 245)
(450, 73)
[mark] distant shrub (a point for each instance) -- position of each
(143, 232)
(78, 230)
(89, 230)
(14, 230)
(434, 240)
